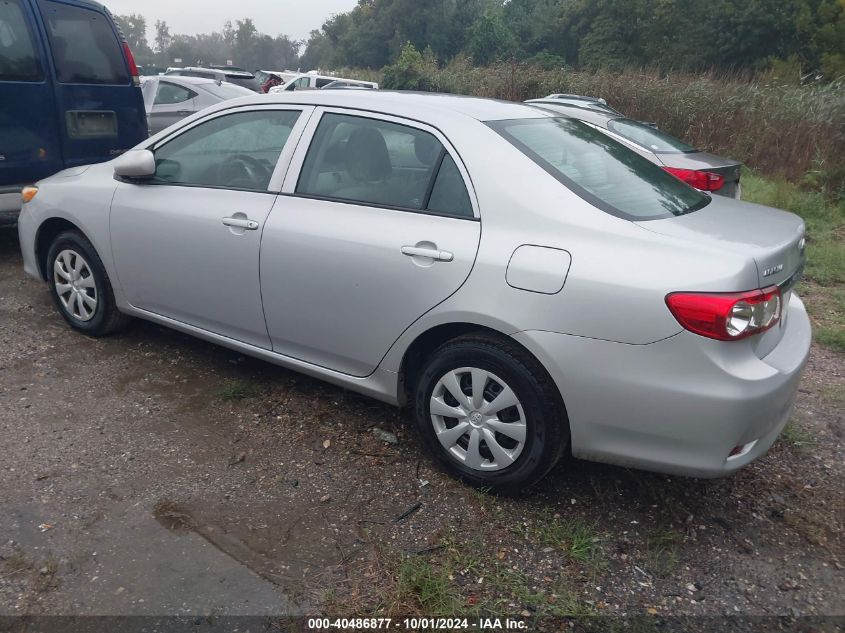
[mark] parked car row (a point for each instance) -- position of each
(607, 309)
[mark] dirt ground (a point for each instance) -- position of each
(151, 473)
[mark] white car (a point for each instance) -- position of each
(314, 81)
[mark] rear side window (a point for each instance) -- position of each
(449, 194)
(648, 137)
(381, 163)
(601, 170)
(85, 47)
(18, 58)
(169, 94)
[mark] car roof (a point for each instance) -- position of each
(234, 73)
(185, 79)
(424, 106)
(586, 113)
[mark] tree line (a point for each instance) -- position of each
(807, 36)
(671, 35)
(240, 43)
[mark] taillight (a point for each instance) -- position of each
(133, 68)
(704, 180)
(727, 316)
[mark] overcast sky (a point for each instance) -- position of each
(273, 17)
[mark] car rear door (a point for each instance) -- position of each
(29, 136)
(172, 103)
(377, 225)
(101, 109)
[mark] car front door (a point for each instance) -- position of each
(186, 242)
(376, 227)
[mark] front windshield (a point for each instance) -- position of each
(601, 170)
(648, 137)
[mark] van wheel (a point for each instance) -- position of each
(490, 413)
(80, 286)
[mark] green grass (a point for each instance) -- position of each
(763, 121)
(661, 551)
(825, 271)
(795, 435)
(238, 390)
(580, 541)
(426, 587)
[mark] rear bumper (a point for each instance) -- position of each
(10, 204)
(679, 405)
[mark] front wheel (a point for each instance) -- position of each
(490, 413)
(80, 286)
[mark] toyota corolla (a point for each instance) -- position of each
(528, 285)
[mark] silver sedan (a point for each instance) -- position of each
(529, 286)
(170, 98)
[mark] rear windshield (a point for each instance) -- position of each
(226, 90)
(247, 82)
(648, 137)
(85, 47)
(601, 170)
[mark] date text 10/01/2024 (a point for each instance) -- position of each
(417, 623)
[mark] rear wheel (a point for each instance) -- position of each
(80, 286)
(490, 413)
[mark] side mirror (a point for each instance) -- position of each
(136, 163)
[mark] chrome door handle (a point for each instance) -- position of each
(241, 223)
(439, 256)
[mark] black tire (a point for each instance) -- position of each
(106, 318)
(547, 427)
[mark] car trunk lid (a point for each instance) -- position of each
(774, 239)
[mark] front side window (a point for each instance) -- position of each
(381, 163)
(169, 94)
(85, 47)
(601, 170)
(234, 151)
(648, 137)
(18, 58)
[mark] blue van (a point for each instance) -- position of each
(69, 92)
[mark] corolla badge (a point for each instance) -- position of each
(772, 270)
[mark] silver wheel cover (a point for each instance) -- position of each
(478, 419)
(75, 287)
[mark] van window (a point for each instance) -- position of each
(320, 82)
(18, 59)
(85, 47)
